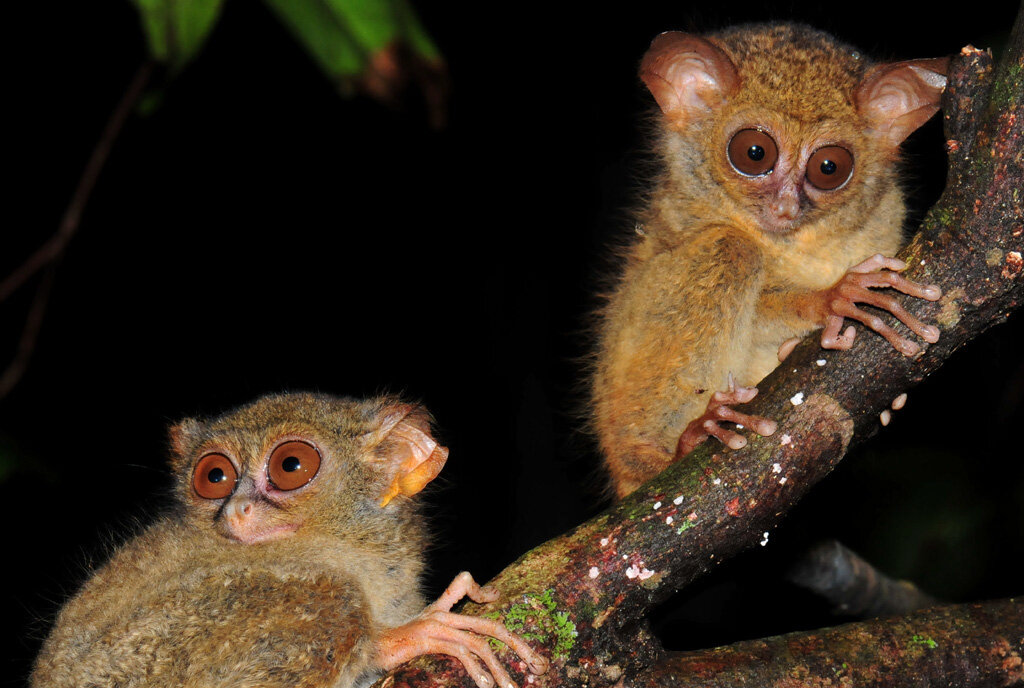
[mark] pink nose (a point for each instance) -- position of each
(238, 509)
(785, 207)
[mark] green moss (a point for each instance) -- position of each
(923, 641)
(687, 524)
(537, 618)
(1006, 91)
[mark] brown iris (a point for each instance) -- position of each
(292, 465)
(215, 477)
(753, 152)
(829, 167)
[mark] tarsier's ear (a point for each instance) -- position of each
(411, 456)
(687, 75)
(897, 98)
(182, 436)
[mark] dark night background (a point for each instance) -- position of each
(260, 233)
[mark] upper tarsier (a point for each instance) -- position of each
(777, 211)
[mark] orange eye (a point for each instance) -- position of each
(829, 167)
(215, 477)
(292, 465)
(752, 152)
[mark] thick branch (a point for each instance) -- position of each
(961, 645)
(584, 594)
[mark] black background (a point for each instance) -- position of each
(260, 233)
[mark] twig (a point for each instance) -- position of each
(853, 586)
(54, 247)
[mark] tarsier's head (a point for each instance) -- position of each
(790, 123)
(302, 461)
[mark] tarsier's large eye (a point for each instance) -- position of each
(215, 477)
(829, 167)
(753, 152)
(292, 465)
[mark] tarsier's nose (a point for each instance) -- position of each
(786, 206)
(238, 509)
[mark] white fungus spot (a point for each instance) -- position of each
(669, 520)
(716, 481)
(786, 439)
(625, 556)
(645, 574)
(594, 572)
(821, 362)
(678, 500)
(657, 505)
(885, 416)
(782, 480)
(632, 572)
(604, 542)
(765, 540)
(797, 399)
(776, 468)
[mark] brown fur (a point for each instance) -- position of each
(707, 290)
(182, 605)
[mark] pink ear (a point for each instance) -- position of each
(413, 456)
(687, 75)
(897, 98)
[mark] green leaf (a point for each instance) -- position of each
(343, 36)
(176, 29)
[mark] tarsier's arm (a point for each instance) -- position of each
(829, 307)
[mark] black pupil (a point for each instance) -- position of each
(755, 153)
(828, 167)
(292, 463)
(216, 475)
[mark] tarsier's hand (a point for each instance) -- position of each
(855, 287)
(438, 631)
(718, 410)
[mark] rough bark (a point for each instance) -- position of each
(975, 644)
(582, 597)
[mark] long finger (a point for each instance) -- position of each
(461, 586)
(480, 649)
(830, 337)
(495, 629)
(469, 662)
(731, 439)
(929, 292)
(888, 303)
(762, 426)
(876, 323)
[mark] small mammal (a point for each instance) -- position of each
(291, 558)
(775, 213)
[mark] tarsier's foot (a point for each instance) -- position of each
(855, 287)
(438, 631)
(718, 410)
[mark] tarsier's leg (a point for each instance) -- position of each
(438, 631)
(855, 287)
(718, 410)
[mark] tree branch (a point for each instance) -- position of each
(584, 595)
(962, 645)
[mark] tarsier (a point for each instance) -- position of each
(775, 214)
(291, 558)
